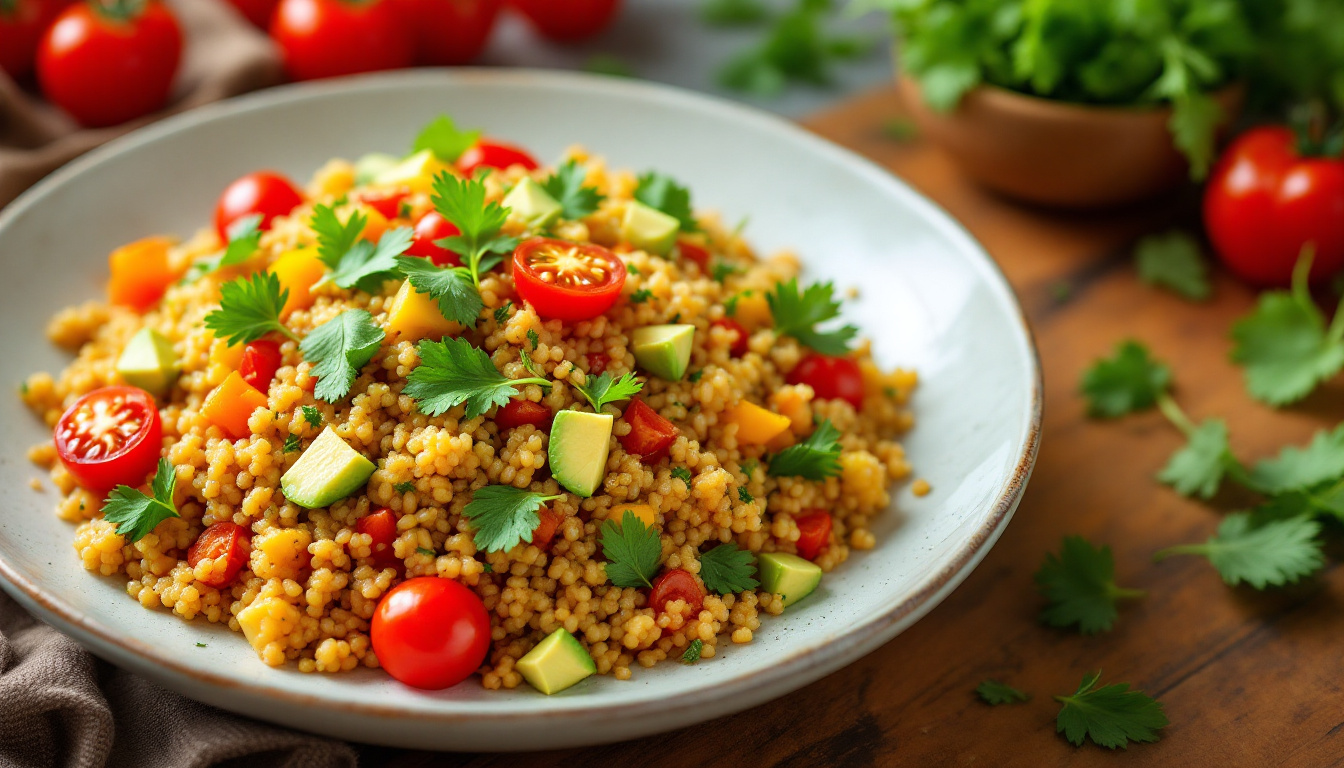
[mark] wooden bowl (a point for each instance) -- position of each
(1059, 154)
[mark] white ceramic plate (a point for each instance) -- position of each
(930, 298)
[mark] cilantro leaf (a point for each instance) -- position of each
(405, 487)
(816, 458)
(796, 314)
(641, 296)
(338, 348)
(1273, 553)
(727, 570)
(426, 551)
(1200, 466)
(1111, 716)
(993, 692)
(566, 186)
(660, 191)
(1324, 499)
(501, 312)
(450, 286)
(504, 516)
(530, 365)
(462, 202)
(682, 474)
(633, 551)
(1296, 469)
(1080, 588)
(1173, 261)
(356, 263)
(249, 309)
(452, 372)
(601, 390)
(136, 514)
(291, 443)
(1130, 381)
(312, 415)
(442, 137)
(744, 496)
(533, 338)
(693, 650)
(244, 240)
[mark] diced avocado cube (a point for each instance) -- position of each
(532, 204)
(788, 576)
(370, 166)
(578, 450)
(556, 663)
(649, 229)
(327, 472)
(663, 350)
(149, 362)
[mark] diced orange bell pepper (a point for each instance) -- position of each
(644, 512)
(753, 311)
(140, 273)
(756, 425)
(231, 404)
(298, 271)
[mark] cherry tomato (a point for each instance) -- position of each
(650, 434)
(224, 539)
(597, 363)
(567, 281)
(695, 253)
(739, 345)
(519, 412)
(494, 154)
(448, 32)
(330, 38)
(545, 531)
(433, 227)
(814, 533)
(106, 64)
(258, 12)
(263, 192)
(388, 203)
(568, 19)
(110, 437)
(261, 359)
(430, 632)
(22, 23)
(381, 526)
(676, 584)
(831, 378)
(1265, 202)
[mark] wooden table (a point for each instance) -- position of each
(1248, 679)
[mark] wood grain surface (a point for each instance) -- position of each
(1248, 679)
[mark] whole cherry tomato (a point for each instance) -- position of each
(831, 378)
(110, 437)
(519, 412)
(448, 32)
(494, 154)
(388, 203)
(430, 632)
(676, 584)
(261, 359)
(546, 528)
(330, 38)
(1265, 202)
(568, 19)
(263, 192)
(739, 346)
(381, 526)
(22, 23)
(650, 434)
(814, 533)
(222, 540)
(106, 63)
(258, 12)
(432, 226)
(567, 281)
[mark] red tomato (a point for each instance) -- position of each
(261, 359)
(381, 526)
(494, 154)
(568, 19)
(695, 253)
(597, 363)
(330, 38)
(433, 227)
(387, 203)
(545, 532)
(676, 584)
(567, 281)
(226, 540)
(814, 533)
(430, 632)
(22, 23)
(105, 68)
(263, 192)
(110, 437)
(739, 346)
(650, 434)
(1265, 202)
(832, 378)
(448, 32)
(258, 12)
(519, 412)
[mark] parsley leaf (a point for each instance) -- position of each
(1273, 553)
(530, 365)
(501, 312)
(462, 202)
(601, 390)
(338, 348)
(450, 286)
(1079, 586)
(244, 240)
(683, 474)
(533, 338)
(1130, 381)
(443, 138)
(816, 458)
(504, 516)
(452, 372)
(726, 570)
(797, 313)
(1296, 469)
(1112, 716)
(1200, 466)
(633, 551)
(291, 443)
(136, 514)
(312, 415)
(993, 692)
(405, 487)
(693, 650)
(249, 309)
(566, 186)
(1173, 261)
(641, 296)
(744, 496)
(356, 263)
(659, 191)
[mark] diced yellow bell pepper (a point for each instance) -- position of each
(756, 425)
(642, 511)
(414, 316)
(221, 353)
(753, 311)
(298, 270)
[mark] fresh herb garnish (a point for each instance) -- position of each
(749, 467)
(683, 474)
(244, 240)
(443, 138)
(633, 269)
(426, 551)
(502, 312)
(602, 389)
(722, 270)
(452, 372)
(338, 348)
(504, 516)
(533, 338)
(136, 514)
(693, 650)
(1111, 716)
(356, 263)
(1130, 381)
(659, 191)
(458, 298)
(566, 186)
(633, 551)
(530, 365)
(1270, 553)
(796, 314)
(291, 444)
(312, 415)
(726, 570)
(462, 202)
(1079, 587)
(993, 692)
(744, 496)
(405, 487)
(796, 48)
(249, 309)
(1297, 469)
(1173, 261)
(694, 376)
(608, 64)
(816, 458)
(641, 296)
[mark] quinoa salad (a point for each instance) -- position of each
(455, 413)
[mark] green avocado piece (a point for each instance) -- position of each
(327, 472)
(663, 350)
(405, 171)
(649, 229)
(531, 203)
(789, 576)
(149, 362)
(556, 663)
(578, 450)
(368, 167)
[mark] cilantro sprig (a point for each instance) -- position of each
(994, 693)
(1111, 716)
(462, 202)
(693, 651)
(356, 263)
(442, 137)
(603, 389)
(816, 458)
(504, 516)
(1173, 261)
(1268, 553)
(452, 372)
(244, 241)
(1079, 587)
(451, 287)
(338, 349)
(797, 313)
(249, 308)
(135, 513)
(633, 551)
(662, 192)
(727, 569)
(566, 185)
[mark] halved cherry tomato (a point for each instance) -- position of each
(494, 154)
(567, 281)
(381, 526)
(650, 434)
(430, 632)
(330, 38)
(22, 23)
(739, 346)
(814, 533)
(597, 363)
(545, 531)
(448, 32)
(388, 202)
(261, 359)
(223, 539)
(110, 437)
(429, 228)
(263, 192)
(568, 19)
(676, 584)
(695, 253)
(831, 378)
(516, 413)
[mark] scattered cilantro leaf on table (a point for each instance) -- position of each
(452, 372)
(1111, 716)
(462, 202)
(1296, 469)
(249, 309)
(356, 263)
(244, 240)
(136, 514)
(633, 551)
(566, 185)
(816, 458)
(602, 389)
(1324, 499)
(1271, 553)
(338, 348)
(451, 287)
(442, 137)
(1129, 381)
(993, 692)
(504, 516)
(662, 192)
(693, 650)
(1079, 586)
(798, 313)
(1173, 261)
(726, 569)
(1200, 466)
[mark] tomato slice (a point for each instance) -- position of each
(739, 345)
(519, 412)
(597, 363)
(110, 437)
(695, 253)
(261, 359)
(545, 531)
(388, 203)
(814, 533)
(381, 526)
(224, 539)
(494, 154)
(650, 434)
(567, 281)
(430, 632)
(832, 378)
(676, 584)
(433, 227)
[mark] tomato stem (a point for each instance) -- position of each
(9, 8)
(119, 10)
